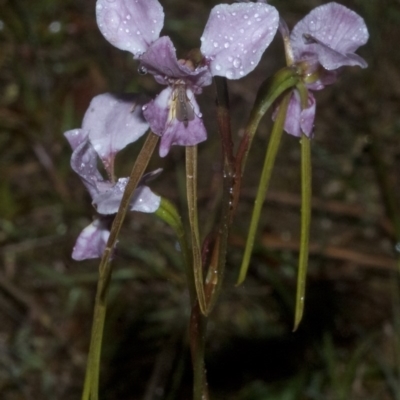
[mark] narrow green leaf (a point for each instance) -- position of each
(269, 161)
(169, 214)
(191, 189)
(305, 227)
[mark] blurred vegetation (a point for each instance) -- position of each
(53, 60)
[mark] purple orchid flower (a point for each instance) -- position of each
(320, 44)
(232, 44)
(110, 123)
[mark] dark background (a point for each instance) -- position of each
(53, 60)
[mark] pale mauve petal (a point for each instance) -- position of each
(143, 200)
(331, 33)
(172, 131)
(160, 60)
(92, 240)
(156, 112)
(84, 159)
(299, 121)
(236, 36)
(114, 121)
(130, 25)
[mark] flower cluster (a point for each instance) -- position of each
(233, 41)
(110, 123)
(321, 44)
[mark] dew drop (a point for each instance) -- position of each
(226, 45)
(215, 44)
(237, 63)
(142, 70)
(245, 16)
(229, 74)
(138, 32)
(218, 67)
(241, 30)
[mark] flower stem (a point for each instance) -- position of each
(191, 190)
(269, 161)
(197, 329)
(231, 189)
(91, 385)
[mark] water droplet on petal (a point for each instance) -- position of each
(237, 63)
(215, 44)
(229, 74)
(218, 67)
(142, 70)
(226, 45)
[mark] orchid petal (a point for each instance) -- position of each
(92, 240)
(113, 122)
(130, 25)
(236, 36)
(331, 59)
(160, 60)
(299, 121)
(331, 33)
(143, 200)
(177, 133)
(84, 159)
(172, 131)
(156, 112)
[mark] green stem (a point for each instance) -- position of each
(91, 385)
(198, 327)
(269, 161)
(305, 227)
(191, 188)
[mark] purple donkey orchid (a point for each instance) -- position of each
(232, 44)
(320, 44)
(110, 123)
